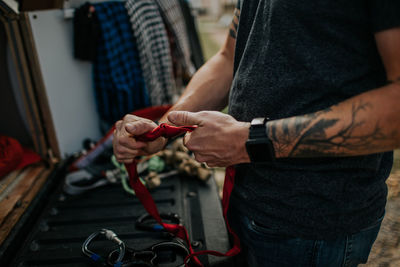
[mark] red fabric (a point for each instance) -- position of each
(164, 130)
(152, 113)
(147, 201)
(29, 157)
(10, 154)
(13, 156)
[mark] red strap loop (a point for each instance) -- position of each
(148, 203)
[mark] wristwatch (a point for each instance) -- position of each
(259, 146)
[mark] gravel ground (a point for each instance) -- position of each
(386, 250)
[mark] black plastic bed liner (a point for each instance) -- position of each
(56, 236)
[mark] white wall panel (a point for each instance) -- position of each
(68, 82)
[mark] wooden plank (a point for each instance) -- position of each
(10, 185)
(40, 92)
(26, 180)
(7, 180)
(17, 212)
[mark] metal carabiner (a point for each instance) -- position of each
(109, 235)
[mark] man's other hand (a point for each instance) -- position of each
(219, 139)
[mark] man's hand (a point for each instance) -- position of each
(126, 148)
(219, 139)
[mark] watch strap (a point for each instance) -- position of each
(259, 146)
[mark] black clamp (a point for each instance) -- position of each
(147, 223)
(150, 257)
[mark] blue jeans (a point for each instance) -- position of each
(263, 248)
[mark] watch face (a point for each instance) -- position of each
(257, 121)
(257, 131)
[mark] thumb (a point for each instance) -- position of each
(139, 127)
(184, 118)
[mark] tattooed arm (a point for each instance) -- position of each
(365, 124)
(235, 24)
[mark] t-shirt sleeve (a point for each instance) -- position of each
(385, 14)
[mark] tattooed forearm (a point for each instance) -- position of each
(232, 33)
(321, 134)
(234, 25)
(285, 134)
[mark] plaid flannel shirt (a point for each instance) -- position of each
(172, 12)
(154, 49)
(118, 79)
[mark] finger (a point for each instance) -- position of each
(125, 161)
(130, 118)
(211, 165)
(125, 152)
(200, 157)
(118, 125)
(184, 118)
(139, 127)
(129, 156)
(186, 138)
(188, 144)
(192, 144)
(129, 143)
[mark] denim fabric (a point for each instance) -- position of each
(264, 248)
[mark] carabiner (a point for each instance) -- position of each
(109, 235)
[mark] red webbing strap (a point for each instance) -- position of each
(148, 203)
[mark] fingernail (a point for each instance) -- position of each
(172, 116)
(130, 127)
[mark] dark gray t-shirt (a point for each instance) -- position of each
(296, 57)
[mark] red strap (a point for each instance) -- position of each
(164, 130)
(147, 201)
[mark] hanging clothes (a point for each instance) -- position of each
(172, 14)
(86, 32)
(197, 56)
(154, 49)
(118, 78)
